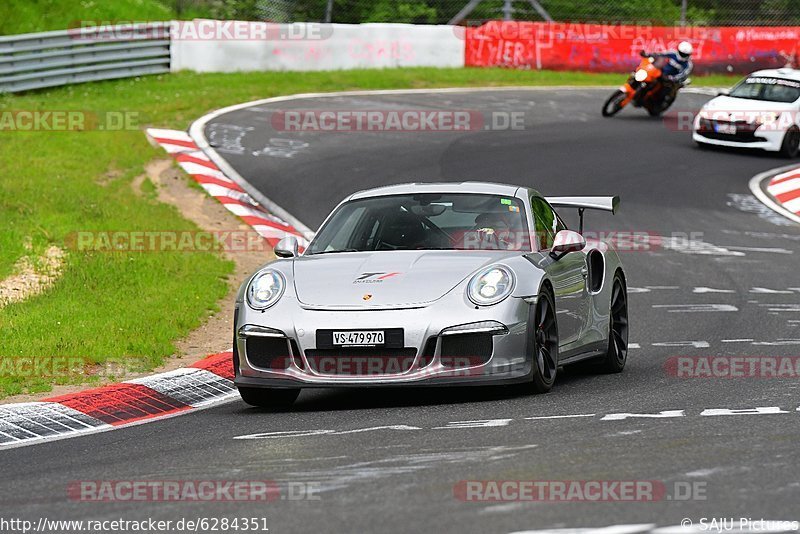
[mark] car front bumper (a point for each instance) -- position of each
(769, 139)
(429, 341)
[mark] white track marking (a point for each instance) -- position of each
(748, 411)
(666, 414)
(767, 291)
(711, 290)
(696, 246)
(653, 418)
(751, 204)
(482, 423)
(697, 308)
(559, 416)
(780, 308)
(694, 344)
(768, 250)
(374, 428)
(614, 529)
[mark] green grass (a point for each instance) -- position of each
(131, 307)
(26, 16)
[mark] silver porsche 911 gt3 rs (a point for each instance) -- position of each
(432, 284)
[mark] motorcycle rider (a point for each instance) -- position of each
(677, 68)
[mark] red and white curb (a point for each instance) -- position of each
(204, 384)
(208, 382)
(205, 172)
(779, 190)
(785, 187)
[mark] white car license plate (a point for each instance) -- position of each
(724, 128)
(360, 337)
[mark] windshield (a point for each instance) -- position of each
(429, 221)
(769, 89)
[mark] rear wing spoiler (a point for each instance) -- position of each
(585, 203)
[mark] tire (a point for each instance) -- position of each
(545, 343)
(612, 105)
(791, 143)
(701, 145)
(617, 352)
(654, 112)
(274, 399)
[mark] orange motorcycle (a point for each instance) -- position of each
(645, 88)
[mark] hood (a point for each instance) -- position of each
(731, 104)
(375, 280)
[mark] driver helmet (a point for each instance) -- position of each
(685, 49)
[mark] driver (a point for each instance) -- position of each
(679, 63)
(493, 230)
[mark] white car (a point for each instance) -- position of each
(761, 112)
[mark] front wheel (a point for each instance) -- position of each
(617, 353)
(614, 103)
(545, 343)
(274, 399)
(791, 143)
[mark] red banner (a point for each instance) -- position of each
(615, 48)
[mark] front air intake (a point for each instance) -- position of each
(268, 352)
(466, 350)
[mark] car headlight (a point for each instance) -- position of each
(766, 118)
(265, 289)
(640, 75)
(491, 285)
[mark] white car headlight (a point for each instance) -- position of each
(265, 289)
(640, 75)
(491, 285)
(767, 118)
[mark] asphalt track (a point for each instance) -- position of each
(401, 479)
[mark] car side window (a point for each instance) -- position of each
(545, 222)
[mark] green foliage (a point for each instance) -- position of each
(26, 16)
(408, 12)
(20, 16)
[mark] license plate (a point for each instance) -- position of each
(725, 128)
(359, 338)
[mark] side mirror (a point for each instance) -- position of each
(723, 92)
(287, 247)
(567, 241)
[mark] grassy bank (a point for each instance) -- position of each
(26, 16)
(132, 306)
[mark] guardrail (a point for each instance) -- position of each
(48, 59)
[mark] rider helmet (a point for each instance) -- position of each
(685, 49)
